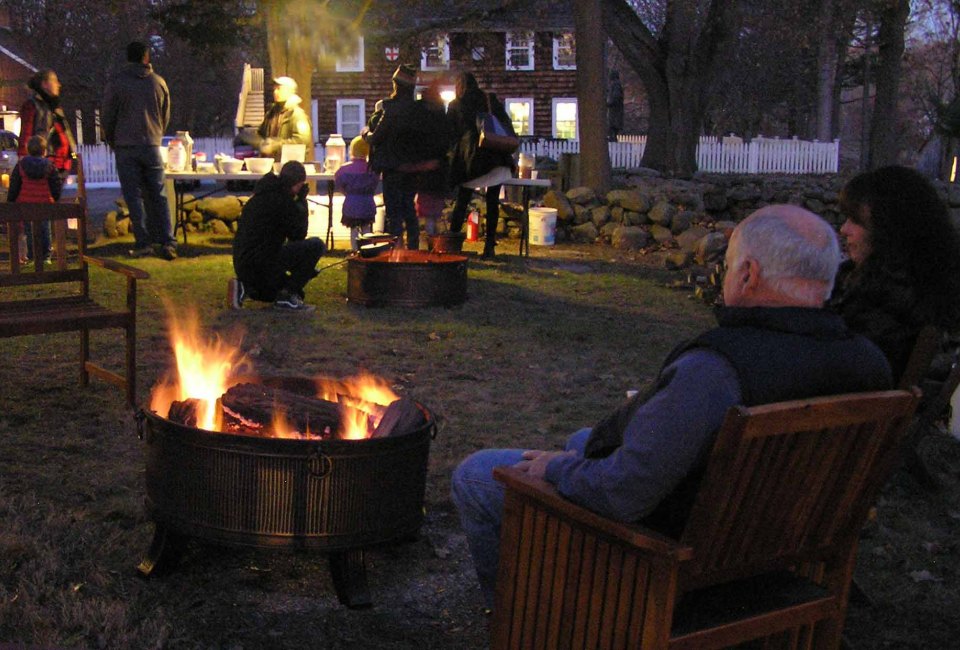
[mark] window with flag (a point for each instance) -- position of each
(520, 110)
(519, 50)
(564, 52)
(350, 117)
(352, 61)
(565, 118)
(435, 55)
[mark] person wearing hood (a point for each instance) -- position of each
(272, 256)
(286, 122)
(136, 112)
(35, 179)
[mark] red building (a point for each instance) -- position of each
(15, 71)
(527, 59)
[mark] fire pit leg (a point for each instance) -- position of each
(164, 552)
(350, 578)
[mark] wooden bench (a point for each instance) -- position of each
(767, 551)
(41, 299)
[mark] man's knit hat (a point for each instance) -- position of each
(405, 74)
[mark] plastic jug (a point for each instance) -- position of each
(336, 153)
(176, 156)
(184, 137)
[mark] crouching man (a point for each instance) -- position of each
(272, 257)
(774, 342)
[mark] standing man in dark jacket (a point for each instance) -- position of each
(136, 112)
(272, 256)
(392, 136)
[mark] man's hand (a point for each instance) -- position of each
(535, 461)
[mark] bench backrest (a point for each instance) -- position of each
(792, 482)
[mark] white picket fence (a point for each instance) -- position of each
(729, 155)
(100, 166)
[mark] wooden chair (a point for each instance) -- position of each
(38, 299)
(767, 551)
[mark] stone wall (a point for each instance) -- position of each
(691, 218)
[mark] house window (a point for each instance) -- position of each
(520, 110)
(565, 118)
(564, 52)
(350, 117)
(519, 50)
(436, 54)
(352, 61)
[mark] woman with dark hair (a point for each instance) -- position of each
(903, 271)
(42, 115)
(471, 166)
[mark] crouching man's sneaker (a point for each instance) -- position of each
(236, 293)
(287, 301)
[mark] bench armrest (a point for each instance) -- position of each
(118, 267)
(631, 534)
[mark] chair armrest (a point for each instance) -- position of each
(631, 534)
(118, 267)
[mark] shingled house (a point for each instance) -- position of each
(528, 58)
(15, 71)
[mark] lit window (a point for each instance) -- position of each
(519, 51)
(352, 61)
(350, 117)
(520, 110)
(564, 52)
(436, 54)
(565, 118)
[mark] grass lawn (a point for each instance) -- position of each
(540, 348)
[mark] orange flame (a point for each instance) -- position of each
(204, 371)
(362, 398)
(207, 367)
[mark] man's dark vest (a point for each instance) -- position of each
(778, 354)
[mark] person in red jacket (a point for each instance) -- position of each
(35, 180)
(42, 115)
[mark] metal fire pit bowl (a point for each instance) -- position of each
(404, 278)
(334, 496)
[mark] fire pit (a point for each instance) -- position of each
(404, 278)
(335, 466)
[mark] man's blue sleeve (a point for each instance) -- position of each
(669, 435)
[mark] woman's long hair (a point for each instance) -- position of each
(911, 235)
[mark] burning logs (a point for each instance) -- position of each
(277, 412)
(258, 407)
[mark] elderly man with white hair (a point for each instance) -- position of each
(773, 342)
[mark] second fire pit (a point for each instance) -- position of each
(403, 278)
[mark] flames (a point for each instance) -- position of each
(206, 367)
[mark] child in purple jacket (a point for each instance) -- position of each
(358, 184)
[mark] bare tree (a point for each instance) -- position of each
(591, 100)
(884, 142)
(676, 65)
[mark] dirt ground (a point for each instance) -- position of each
(541, 347)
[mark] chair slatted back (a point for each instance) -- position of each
(792, 482)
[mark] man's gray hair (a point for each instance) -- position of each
(798, 258)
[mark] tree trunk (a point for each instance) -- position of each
(291, 57)
(675, 70)
(827, 57)
(591, 104)
(884, 132)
